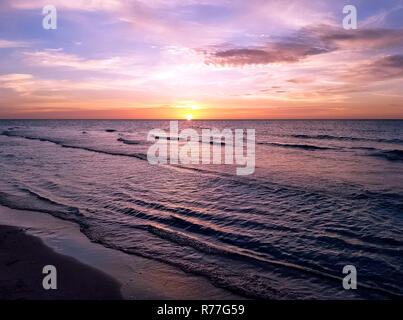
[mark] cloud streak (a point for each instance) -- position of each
(386, 68)
(13, 44)
(308, 41)
(269, 54)
(56, 58)
(86, 5)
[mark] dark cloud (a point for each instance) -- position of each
(395, 62)
(306, 42)
(360, 39)
(270, 53)
(389, 67)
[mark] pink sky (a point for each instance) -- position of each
(211, 59)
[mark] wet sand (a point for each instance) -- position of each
(22, 258)
(38, 239)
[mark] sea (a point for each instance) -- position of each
(324, 194)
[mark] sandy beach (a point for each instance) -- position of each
(30, 240)
(206, 150)
(22, 258)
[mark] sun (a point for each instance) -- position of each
(189, 117)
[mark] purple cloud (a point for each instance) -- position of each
(306, 42)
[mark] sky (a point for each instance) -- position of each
(211, 59)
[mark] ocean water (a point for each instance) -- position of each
(324, 194)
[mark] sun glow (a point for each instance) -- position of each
(189, 106)
(189, 117)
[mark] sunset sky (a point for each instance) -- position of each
(208, 58)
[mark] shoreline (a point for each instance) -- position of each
(138, 278)
(22, 259)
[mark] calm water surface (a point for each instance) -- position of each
(324, 194)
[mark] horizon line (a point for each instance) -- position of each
(209, 119)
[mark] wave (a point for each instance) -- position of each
(169, 138)
(127, 141)
(364, 148)
(229, 178)
(140, 156)
(244, 285)
(391, 155)
(220, 143)
(329, 137)
(233, 245)
(246, 288)
(297, 146)
(34, 202)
